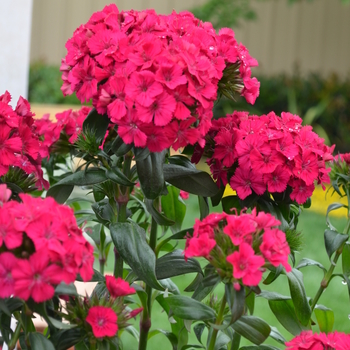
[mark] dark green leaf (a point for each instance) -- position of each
(203, 207)
(174, 264)
(118, 177)
(198, 331)
(130, 241)
(206, 286)
(215, 200)
(157, 216)
(181, 161)
(104, 211)
(273, 275)
(173, 208)
(60, 325)
(65, 339)
(141, 153)
(221, 341)
(325, 318)
(252, 328)
(285, 314)
(309, 262)
(14, 304)
(150, 173)
(168, 284)
(123, 149)
(250, 300)
(4, 308)
(190, 180)
(229, 203)
(97, 123)
(61, 192)
(39, 342)
(195, 283)
(190, 309)
(333, 241)
(66, 289)
(235, 300)
(298, 294)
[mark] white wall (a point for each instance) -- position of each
(15, 33)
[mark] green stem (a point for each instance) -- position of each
(16, 334)
(145, 322)
(218, 323)
(329, 273)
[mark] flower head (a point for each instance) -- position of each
(103, 321)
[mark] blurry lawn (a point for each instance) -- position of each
(312, 226)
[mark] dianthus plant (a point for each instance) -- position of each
(118, 195)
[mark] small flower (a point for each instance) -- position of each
(103, 321)
(117, 287)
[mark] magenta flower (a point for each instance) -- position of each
(103, 321)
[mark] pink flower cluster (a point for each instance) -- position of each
(70, 122)
(267, 153)
(20, 144)
(104, 319)
(41, 246)
(155, 76)
(247, 242)
(310, 341)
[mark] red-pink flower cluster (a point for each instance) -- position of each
(246, 241)
(266, 153)
(41, 246)
(310, 341)
(117, 287)
(155, 76)
(20, 144)
(103, 321)
(70, 122)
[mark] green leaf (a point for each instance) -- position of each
(203, 207)
(60, 325)
(4, 308)
(190, 180)
(331, 207)
(181, 161)
(216, 200)
(39, 342)
(157, 216)
(170, 336)
(309, 262)
(173, 208)
(333, 241)
(276, 335)
(325, 318)
(298, 294)
(285, 314)
(60, 193)
(346, 265)
(168, 284)
(104, 211)
(229, 203)
(97, 123)
(63, 188)
(141, 153)
(250, 300)
(123, 149)
(198, 331)
(66, 289)
(235, 300)
(115, 175)
(130, 242)
(252, 328)
(190, 309)
(272, 295)
(273, 275)
(174, 264)
(221, 340)
(64, 339)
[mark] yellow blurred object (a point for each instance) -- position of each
(320, 201)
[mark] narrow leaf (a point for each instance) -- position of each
(298, 294)
(346, 265)
(252, 328)
(130, 241)
(190, 309)
(157, 216)
(174, 264)
(333, 240)
(118, 177)
(190, 180)
(39, 342)
(272, 295)
(309, 262)
(66, 289)
(325, 318)
(331, 207)
(235, 300)
(97, 123)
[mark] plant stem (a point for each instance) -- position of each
(16, 334)
(218, 323)
(329, 273)
(145, 322)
